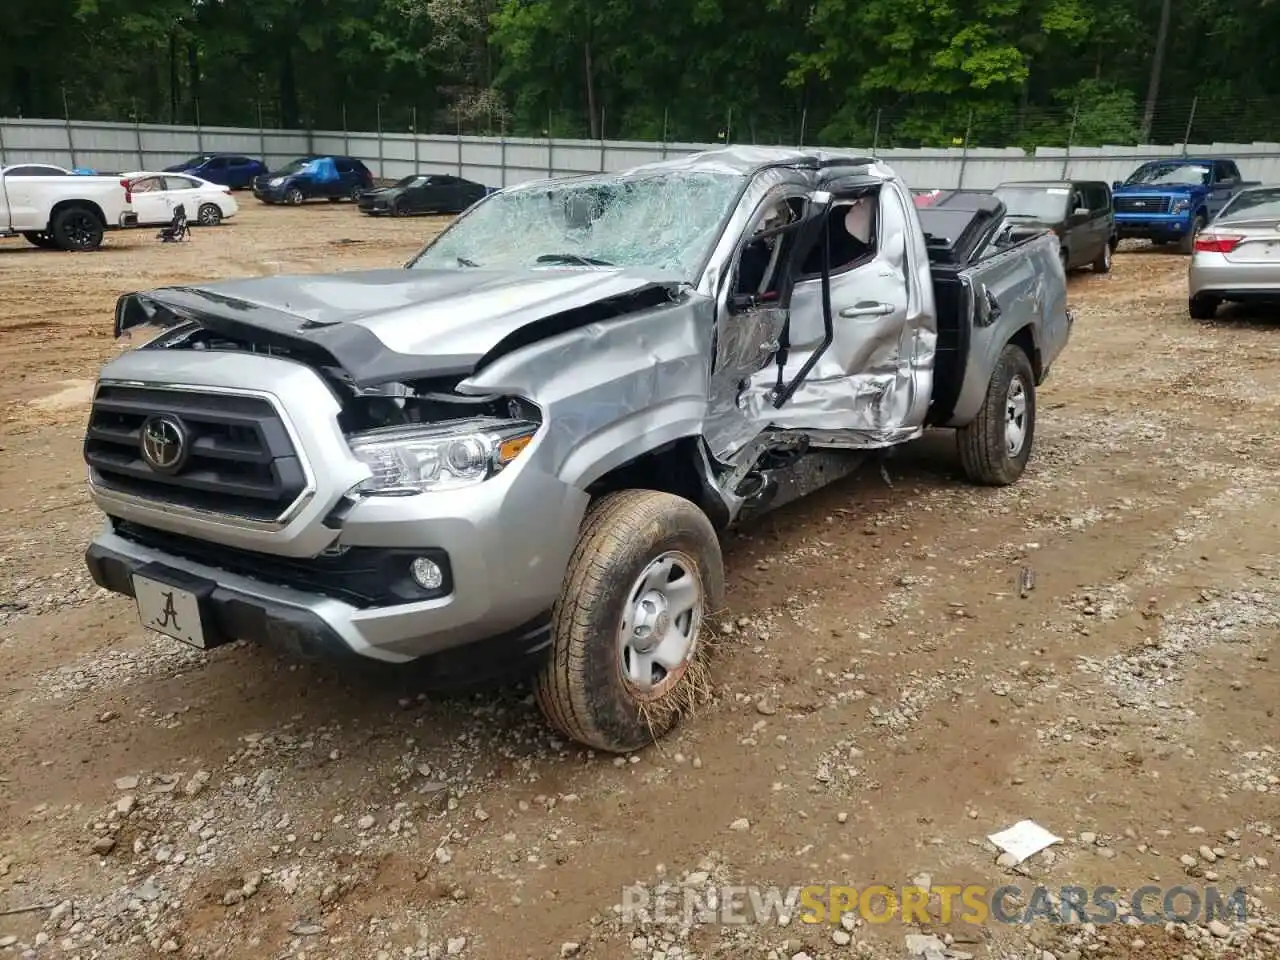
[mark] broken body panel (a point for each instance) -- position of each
(622, 359)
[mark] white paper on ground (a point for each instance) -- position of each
(1024, 838)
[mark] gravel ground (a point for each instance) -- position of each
(910, 665)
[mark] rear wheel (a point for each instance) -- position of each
(1103, 262)
(995, 447)
(209, 215)
(628, 632)
(354, 195)
(1188, 242)
(1202, 307)
(76, 229)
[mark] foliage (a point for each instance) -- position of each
(866, 73)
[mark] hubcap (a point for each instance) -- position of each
(1015, 417)
(659, 630)
(80, 231)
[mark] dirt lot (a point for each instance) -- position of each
(911, 665)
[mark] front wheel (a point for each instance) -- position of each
(995, 447)
(293, 196)
(1188, 243)
(209, 215)
(628, 631)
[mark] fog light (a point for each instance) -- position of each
(427, 573)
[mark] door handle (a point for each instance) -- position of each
(867, 310)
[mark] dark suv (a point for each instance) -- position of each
(1080, 212)
(324, 177)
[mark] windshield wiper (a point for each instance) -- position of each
(466, 262)
(573, 258)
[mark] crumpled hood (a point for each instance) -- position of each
(382, 325)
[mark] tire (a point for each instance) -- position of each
(40, 239)
(986, 445)
(209, 215)
(629, 538)
(76, 229)
(293, 196)
(1187, 244)
(398, 209)
(1103, 263)
(1203, 307)
(354, 195)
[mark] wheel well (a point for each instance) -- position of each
(1024, 339)
(671, 468)
(83, 204)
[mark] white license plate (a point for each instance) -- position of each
(169, 610)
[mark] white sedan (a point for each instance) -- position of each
(156, 195)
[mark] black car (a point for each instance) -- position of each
(423, 193)
(324, 177)
(1080, 212)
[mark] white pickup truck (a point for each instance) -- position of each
(60, 210)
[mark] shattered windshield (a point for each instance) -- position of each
(667, 220)
(1174, 174)
(1040, 203)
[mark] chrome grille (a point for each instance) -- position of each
(239, 459)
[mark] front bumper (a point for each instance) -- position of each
(235, 606)
(1153, 226)
(1214, 275)
(269, 194)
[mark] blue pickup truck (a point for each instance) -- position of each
(1167, 201)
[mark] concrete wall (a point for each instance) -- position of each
(499, 162)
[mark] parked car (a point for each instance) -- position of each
(1079, 212)
(1237, 257)
(423, 193)
(229, 169)
(307, 178)
(526, 440)
(36, 170)
(156, 195)
(60, 212)
(1168, 201)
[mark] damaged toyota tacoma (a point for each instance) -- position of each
(526, 441)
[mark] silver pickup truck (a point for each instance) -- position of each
(525, 442)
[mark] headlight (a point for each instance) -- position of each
(1180, 206)
(276, 181)
(439, 456)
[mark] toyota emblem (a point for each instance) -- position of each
(164, 443)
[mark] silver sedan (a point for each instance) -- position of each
(1237, 256)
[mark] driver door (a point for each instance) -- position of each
(751, 312)
(865, 380)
